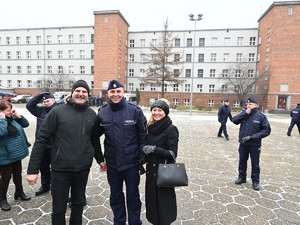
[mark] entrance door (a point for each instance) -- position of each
(282, 102)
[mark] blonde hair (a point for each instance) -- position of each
(151, 120)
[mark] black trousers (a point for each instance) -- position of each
(224, 129)
(45, 169)
(62, 182)
(292, 124)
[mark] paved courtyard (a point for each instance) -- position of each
(211, 197)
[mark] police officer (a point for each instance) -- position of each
(40, 112)
(295, 119)
(254, 126)
(223, 114)
(124, 126)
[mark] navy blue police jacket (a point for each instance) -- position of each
(255, 125)
(295, 114)
(223, 114)
(124, 127)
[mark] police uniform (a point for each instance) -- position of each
(223, 114)
(295, 119)
(253, 127)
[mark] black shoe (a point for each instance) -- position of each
(288, 134)
(255, 186)
(42, 190)
(4, 205)
(240, 181)
(22, 196)
(219, 135)
(227, 138)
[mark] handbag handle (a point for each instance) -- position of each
(173, 155)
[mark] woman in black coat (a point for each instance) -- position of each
(162, 145)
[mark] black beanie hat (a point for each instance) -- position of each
(160, 104)
(81, 83)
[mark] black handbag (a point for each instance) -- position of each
(171, 175)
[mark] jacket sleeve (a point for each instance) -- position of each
(3, 127)
(98, 155)
(22, 121)
(172, 144)
(141, 132)
(265, 129)
(32, 105)
(40, 145)
(220, 114)
(239, 118)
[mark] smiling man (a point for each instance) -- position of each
(124, 126)
(73, 129)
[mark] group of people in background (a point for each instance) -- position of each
(67, 140)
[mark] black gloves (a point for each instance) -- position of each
(247, 138)
(140, 163)
(148, 149)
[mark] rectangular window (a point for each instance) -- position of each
(250, 73)
(131, 57)
(189, 42)
(199, 87)
(200, 72)
(19, 69)
(201, 42)
(177, 42)
(175, 87)
(49, 39)
(238, 73)
(188, 72)
(212, 73)
(92, 38)
(28, 40)
(92, 54)
(240, 41)
(176, 57)
(8, 69)
(131, 43)
(71, 69)
(59, 39)
(176, 72)
(82, 38)
(28, 54)
(142, 87)
(29, 83)
(154, 42)
(201, 58)
(142, 57)
(187, 87)
(188, 58)
(211, 88)
(82, 54)
(49, 54)
(49, 70)
(29, 70)
(252, 40)
(38, 54)
(226, 41)
(225, 57)
(131, 72)
(214, 41)
(38, 39)
(60, 69)
(71, 38)
(186, 102)
(0, 69)
(71, 54)
(239, 57)
(142, 71)
(143, 43)
(130, 86)
(39, 69)
(175, 101)
(18, 40)
(213, 57)
(9, 83)
(19, 83)
(225, 73)
(60, 54)
(152, 87)
(211, 103)
(224, 88)
(18, 55)
(251, 57)
(8, 40)
(8, 55)
(92, 70)
(82, 69)
(290, 10)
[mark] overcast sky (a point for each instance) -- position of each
(140, 14)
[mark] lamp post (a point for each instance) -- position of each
(193, 63)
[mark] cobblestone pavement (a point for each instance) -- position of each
(211, 197)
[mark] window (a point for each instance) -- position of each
(8, 55)
(214, 41)
(186, 102)
(29, 70)
(131, 43)
(225, 73)
(49, 39)
(71, 69)
(187, 87)
(212, 73)
(28, 40)
(8, 69)
(175, 87)
(225, 57)
(49, 54)
(199, 87)
(240, 41)
(29, 83)
(211, 88)
(224, 88)
(226, 41)
(188, 73)
(49, 69)
(92, 38)
(9, 83)
(211, 103)
(176, 57)
(213, 57)
(284, 87)
(189, 42)
(250, 73)
(237, 73)
(18, 40)
(201, 42)
(252, 40)
(239, 57)
(81, 38)
(28, 54)
(200, 72)
(38, 54)
(8, 40)
(92, 54)
(60, 69)
(71, 38)
(0, 83)
(39, 83)
(19, 83)
(131, 72)
(92, 70)
(290, 10)
(0, 70)
(49, 83)
(176, 72)
(201, 58)
(71, 54)
(130, 86)
(131, 57)
(188, 58)
(38, 39)
(60, 54)
(142, 87)
(175, 101)
(59, 39)
(143, 42)
(177, 42)
(236, 104)
(142, 71)
(154, 42)
(152, 87)
(39, 69)
(70, 84)
(82, 69)
(19, 69)
(82, 54)
(18, 55)
(142, 57)
(251, 57)
(60, 84)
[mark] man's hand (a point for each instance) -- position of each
(245, 139)
(32, 178)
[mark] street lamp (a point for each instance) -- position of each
(193, 63)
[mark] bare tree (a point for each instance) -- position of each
(161, 61)
(58, 81)
(240, 79)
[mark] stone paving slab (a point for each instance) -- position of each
(211, 162)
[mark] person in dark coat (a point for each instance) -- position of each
(40, 112)
(124, 127)
(162, 145)
(295, 120)
(223, 114)
(254, 126)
